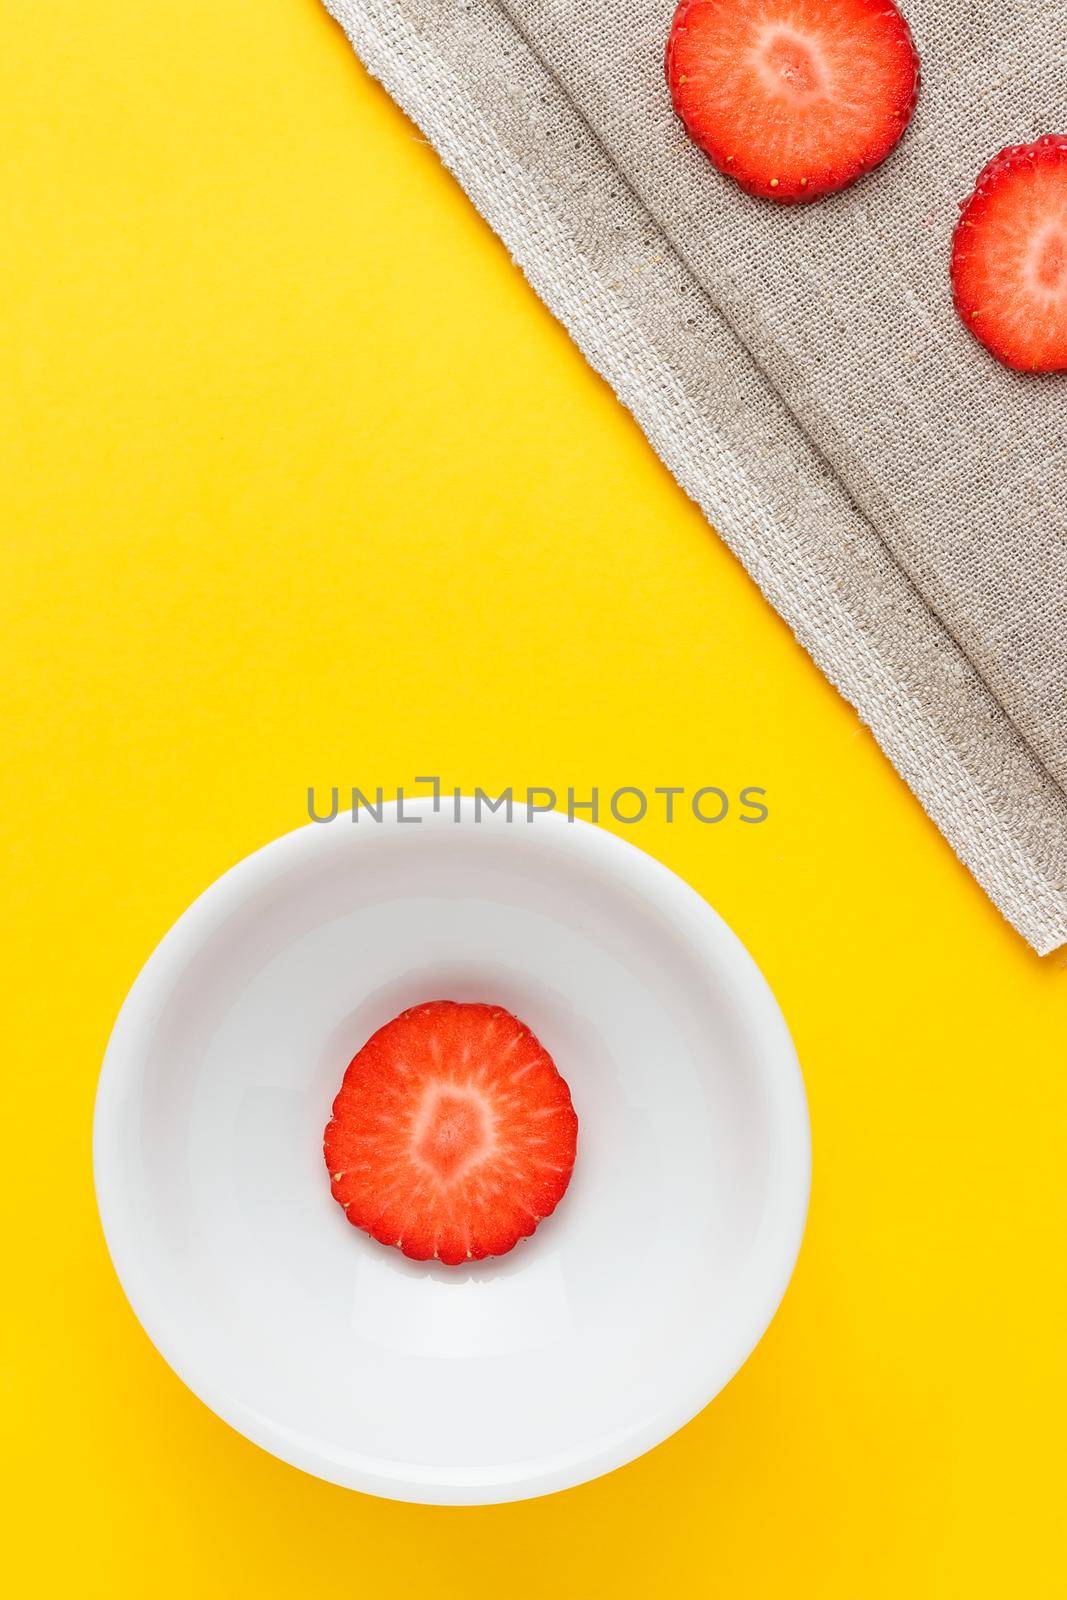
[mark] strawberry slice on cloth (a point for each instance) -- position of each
(453, 1135)
(1009, 256)
(793, 98)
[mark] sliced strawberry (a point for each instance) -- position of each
(453, 1134)
(1009, 256)
(793, 98)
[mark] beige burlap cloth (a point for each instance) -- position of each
(899, 498)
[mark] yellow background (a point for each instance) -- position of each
(301, 484)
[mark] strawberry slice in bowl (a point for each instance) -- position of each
(638, 1285)
(1009, 256)
(453, 1135)
(793, 98)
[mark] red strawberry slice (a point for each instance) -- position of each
(793, 98)
(453, 1134)
(1009, 256)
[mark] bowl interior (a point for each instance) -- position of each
(628, 1308)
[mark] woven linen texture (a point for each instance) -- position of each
(900, 498)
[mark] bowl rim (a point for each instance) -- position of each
(767, 1271)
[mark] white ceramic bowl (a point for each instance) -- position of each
(630, 1307)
